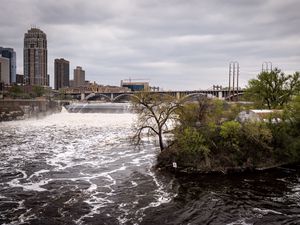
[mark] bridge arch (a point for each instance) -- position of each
(231, 97)
(99, 96)
(191, 96)
(119, 97)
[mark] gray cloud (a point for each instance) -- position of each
(177, 44)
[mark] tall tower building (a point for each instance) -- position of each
(11, 55)
(4, 70)
(79, 77)
(61, 73)
(35, 57)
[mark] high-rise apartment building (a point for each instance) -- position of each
(79, 77)
(4, 70)
(35, 57)
(61, 73)
(11, 55)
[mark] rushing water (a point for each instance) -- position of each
(80, 168)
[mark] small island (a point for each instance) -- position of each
(210, 135)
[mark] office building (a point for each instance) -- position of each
(11, 55)
(61, 73)
(72, 83)
(135, 86)
(79, 77)
(4, 70)
(48, 80)
(35, 57)
(20, 79)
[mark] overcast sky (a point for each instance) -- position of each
(176, 44)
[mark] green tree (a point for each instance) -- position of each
(155, 113)
(295, 109)
(273, 89)
(257, 134)
(292, 114)
(38, 91)
(192, 141)
(230, 133)
(15, 91)
(195, 113)
(202, 112)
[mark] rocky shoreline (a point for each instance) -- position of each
(193, 171)
(169, 161)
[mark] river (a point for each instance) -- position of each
(81, 168)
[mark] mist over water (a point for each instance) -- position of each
(80, 168)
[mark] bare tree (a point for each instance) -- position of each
(155, 113)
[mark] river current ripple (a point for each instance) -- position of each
(80, 168)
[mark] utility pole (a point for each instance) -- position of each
(237, 81)
(229, 86)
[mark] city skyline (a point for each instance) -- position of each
(175, 44)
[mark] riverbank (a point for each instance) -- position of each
(194, 169)
(18, 109)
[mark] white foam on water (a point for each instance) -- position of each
(144, 158)
(296, 189)
(92, 188)
(38, 173)
(240, 222)
(26, 186)
(96, 204)
(85, 147)
(29, 186)
(266, 211)
(24, 217)
(134, 184)
(161, 196)
(161, 189)
(125, 212)
(294, 195)
(23, 173)
(94, 200)
(123, 219)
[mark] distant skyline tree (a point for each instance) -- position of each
(273, 89)
(38, 91)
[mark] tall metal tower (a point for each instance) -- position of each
(266, 67)
(234, 73)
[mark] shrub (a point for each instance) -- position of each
(191, 141)
(230, 131)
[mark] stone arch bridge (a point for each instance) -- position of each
(189, 95)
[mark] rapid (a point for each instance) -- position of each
(81, 168)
